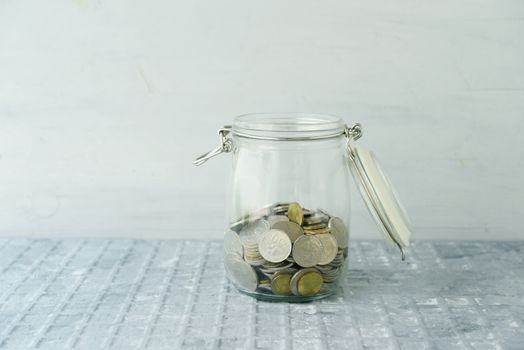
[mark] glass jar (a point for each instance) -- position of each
(289, 203)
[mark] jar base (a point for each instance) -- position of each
(288, 298)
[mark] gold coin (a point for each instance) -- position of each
(314, 226)
(310, 283)
(281, 283)
(295, 213)
(265, 281)
(317, 231)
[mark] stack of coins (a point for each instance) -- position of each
(285, 249)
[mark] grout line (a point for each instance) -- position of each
(287, 329)
(447, 315)
(80, 329)
(39, 293)
(114, 329)
(352, 312)
(323, 327)
(390, 323)
(191, 300)
(27, 274)
(253, 322)
(5, 243)
(16, 258)
(420, 319)
(166, 284)
(447, 312)
(54, 314)
(221, 315)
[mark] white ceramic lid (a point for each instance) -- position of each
(380, 197)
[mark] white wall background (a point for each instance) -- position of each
(104, 104)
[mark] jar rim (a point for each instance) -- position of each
(288, 126)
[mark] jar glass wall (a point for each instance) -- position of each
(289, 206)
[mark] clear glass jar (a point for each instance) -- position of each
(289, 204)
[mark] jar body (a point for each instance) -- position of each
(289, 211)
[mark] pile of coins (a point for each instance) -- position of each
(284, 249)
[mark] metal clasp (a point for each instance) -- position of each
(226, 145)
(352, 134)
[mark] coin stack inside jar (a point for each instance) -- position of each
(285, 249)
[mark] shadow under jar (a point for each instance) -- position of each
(289, 203)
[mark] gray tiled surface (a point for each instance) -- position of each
(173, 294)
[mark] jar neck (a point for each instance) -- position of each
(288, 127)
(264, 145)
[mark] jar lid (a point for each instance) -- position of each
(380, 197)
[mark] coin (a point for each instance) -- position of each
(269, 269)
(329, 273)
(279, 208)
(273, 219)
(294, 281)
(274, 245)
(254, 258)
(295, 213)
(252, 232)
(317, 231)
(339, 259)
(324, 212)
(232, 244)
(290, 228)
(259, 244)
(264, 285)
(241, 272)
(314, 226)
(314, 220)
(264, 282)
(306, 282)
(310, 283)
(338, 229)
(307, 213)
(307, 250)
(329, 248)
(271, 207)
(281, 282)
(247, 218)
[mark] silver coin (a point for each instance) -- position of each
(315, 219)
(276, 205)
(293, 230)
(324, 212)
(252, 255)
(339, 230)
(273, 219)
(246, 219)
(274, 246)
(280, 208)
(338, 261)
(329, 248)
(250, 235)
(272, 267)
(241, 273)
(232, 244)
(256, 262)
(307, 250)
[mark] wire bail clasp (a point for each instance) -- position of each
(352, 134)
(226, 145)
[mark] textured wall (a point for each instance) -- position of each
(103, 105)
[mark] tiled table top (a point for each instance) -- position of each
(173, 295)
